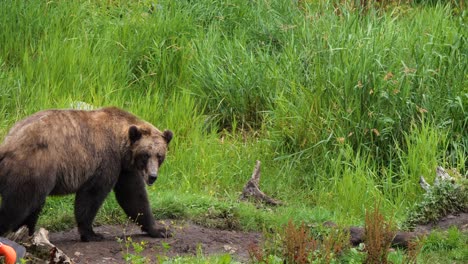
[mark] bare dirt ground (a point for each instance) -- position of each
(186, 240)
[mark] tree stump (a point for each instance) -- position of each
(252, 190)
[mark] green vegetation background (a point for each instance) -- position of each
(343, 107)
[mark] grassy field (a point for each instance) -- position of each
(344, 106)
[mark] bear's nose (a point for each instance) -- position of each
(152, 178)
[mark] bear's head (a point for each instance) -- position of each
(148, 147)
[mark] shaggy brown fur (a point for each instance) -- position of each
(58, 152)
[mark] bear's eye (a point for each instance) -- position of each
(160, 159)
(142, 160)
(145, 157)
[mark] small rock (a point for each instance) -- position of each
(230, 249)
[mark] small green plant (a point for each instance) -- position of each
(132, 250)
(442, 199)
(163, 257)
(446, 246)
(450, 240)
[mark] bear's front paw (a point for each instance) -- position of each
(92, 237)
(158, 232)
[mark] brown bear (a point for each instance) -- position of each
(89, 153)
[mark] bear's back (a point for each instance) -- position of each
(69, 145)
(65, 128)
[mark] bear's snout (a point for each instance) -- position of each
(152, 178)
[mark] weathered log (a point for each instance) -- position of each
(402, 239)
(252, 189)
(426, 186)
(19, 236)
(38, 247)
(441, 176)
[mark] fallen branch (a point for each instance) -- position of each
(252, 189)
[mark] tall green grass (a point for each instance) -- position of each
(343, 107)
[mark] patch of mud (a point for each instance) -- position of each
(186, 240)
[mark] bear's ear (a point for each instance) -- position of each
(134, 134)
(167, 135)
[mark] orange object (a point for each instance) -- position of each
(9, 253)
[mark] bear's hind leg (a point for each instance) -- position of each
(88, 200)
(7, 221)
(13, 211)
(31, 220)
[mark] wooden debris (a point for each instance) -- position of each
(426, 186)
(441, 176)
(38, 247)
(402, 239)
(19, 236)
(252, 189)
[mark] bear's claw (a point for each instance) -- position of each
(158, 232)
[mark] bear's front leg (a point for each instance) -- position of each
(154, 231)
(130, 193)
(87, 235)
